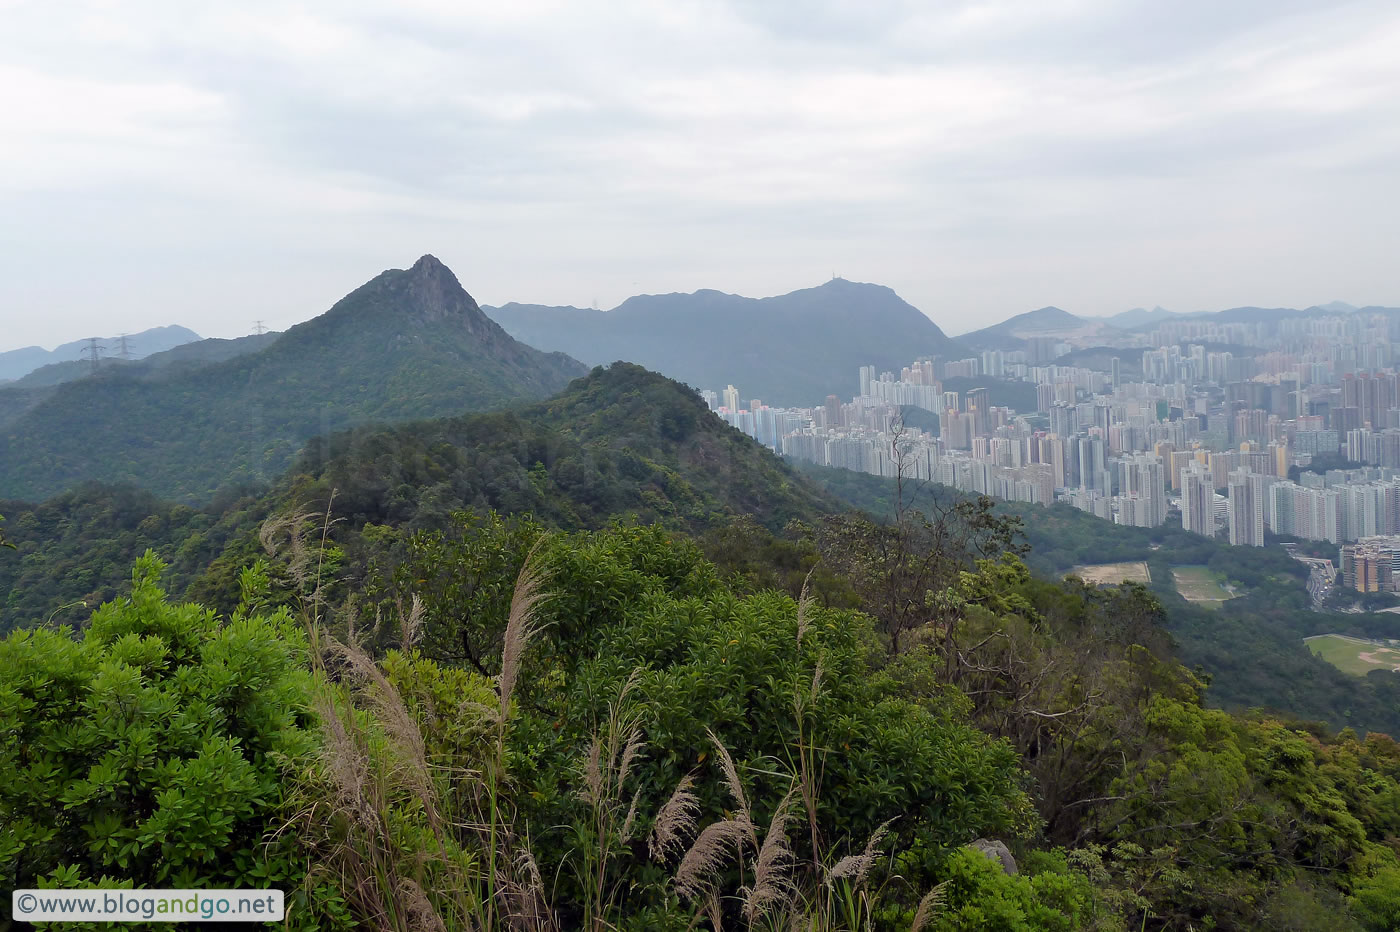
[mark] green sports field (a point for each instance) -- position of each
(1357, 656)
(1199, 583)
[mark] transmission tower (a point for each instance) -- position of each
(124, 347)
(258, 328)
(94, 352)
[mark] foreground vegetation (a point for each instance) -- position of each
(508, 728)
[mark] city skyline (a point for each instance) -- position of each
(1138, 448)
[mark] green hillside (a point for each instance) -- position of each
(620, 442)
(409, 344)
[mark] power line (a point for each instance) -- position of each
(94, 351)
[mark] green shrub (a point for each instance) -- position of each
(150, 751)
(980, 897)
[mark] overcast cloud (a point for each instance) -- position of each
(216, 164)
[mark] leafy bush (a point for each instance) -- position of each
(981, 897)
(151, 751)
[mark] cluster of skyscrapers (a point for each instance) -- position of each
(1223, 432)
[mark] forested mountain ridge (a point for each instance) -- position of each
(620, 441)
(194, 353)
(792, 349)
(408, 344)
(27, 393)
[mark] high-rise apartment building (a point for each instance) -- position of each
(1197, 500)
(979, 405)
(1246, 509)
(1179, 460)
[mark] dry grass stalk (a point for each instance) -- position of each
(856, 867)
(525, 894)
(772, 882)
(411, 624)
(710, 853)
(521, 626)
(347, 764)
(929, 907)
(284, 536)
(592, 790)
(714, 912)
(400, 727)
(631, 750)
(418, 911)
(732, 781)
(629, 822)
(676, 819)
(804, 604)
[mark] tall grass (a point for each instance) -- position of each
(419, 843)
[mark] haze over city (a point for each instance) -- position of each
(214, 166)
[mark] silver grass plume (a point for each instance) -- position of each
(520, 625)
(676, 819)
(929, 907)
(855, 867)
(772, 881)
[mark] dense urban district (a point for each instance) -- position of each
(1286, 428)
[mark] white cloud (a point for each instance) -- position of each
(983, 157)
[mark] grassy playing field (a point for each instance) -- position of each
(1109, 574)
(1200, 584)
(1356, 656)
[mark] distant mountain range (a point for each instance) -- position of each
(408, 344)
(17, 363)
(1047, 321)
(1012, 334)
(1140, 318)
(793, 349)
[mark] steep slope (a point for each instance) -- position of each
(18, 363)
(408, 344)
(793, 349)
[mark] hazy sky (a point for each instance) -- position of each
(212, 164)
